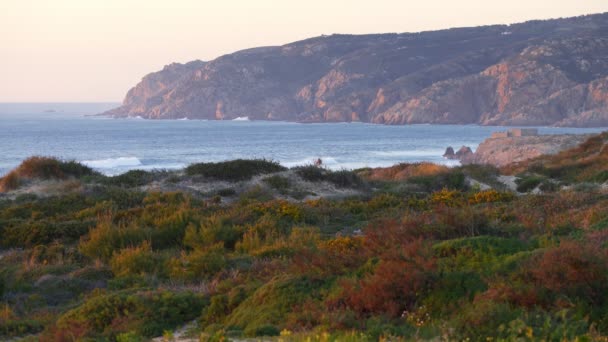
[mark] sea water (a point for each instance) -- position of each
(113, 146)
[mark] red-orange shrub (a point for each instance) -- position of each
(574, 269)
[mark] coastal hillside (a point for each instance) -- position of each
(552, 72)
(250, 250)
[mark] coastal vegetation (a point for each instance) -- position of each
(411, 252)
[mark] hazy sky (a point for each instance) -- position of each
(95, 50)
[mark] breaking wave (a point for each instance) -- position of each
(112, 163)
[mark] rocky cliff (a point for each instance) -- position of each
(552, 72)
(503, 151)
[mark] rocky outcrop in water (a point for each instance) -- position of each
(552, 72)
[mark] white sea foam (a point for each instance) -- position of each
(334, 164)
(112, 163)
(410, 153)
(448, 162)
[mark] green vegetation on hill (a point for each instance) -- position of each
(416, 254)
(234, 170)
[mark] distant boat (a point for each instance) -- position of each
(241, 118)
(50, 111)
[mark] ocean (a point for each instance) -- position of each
(113, 146)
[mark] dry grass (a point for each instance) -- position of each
(9, 182)
(404, 171)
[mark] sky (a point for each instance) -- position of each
(95, 50)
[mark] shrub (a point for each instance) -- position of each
(107, 238)
(342, 178)
(234, 170)
(17, 327)
(574, 269)
(483, 319)
(454, 179)
(401, 276)
(483, 173)
(47, 168)
(278, 183)
(264, 330)
(311, 173)
(9, 182)
(199, 264)
(43, 231)
(134, 260)
(256, 193)
(210, 231)
(548, 186)
(144, 313)
(404, 171)
(129, 337)
(43, 168)
(269, 304)
(216, 311)
(130, 179)
(490, 196)
(601, 177)
(528, 183)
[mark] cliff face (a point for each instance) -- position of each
(552, 72)
(503, 151)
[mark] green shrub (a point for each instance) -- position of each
(278, 183)
(453, 180)
(216, 311)
(143, 313)
(75, 169)
(600, 177)
(107, 238)
(483, 173)
(483, 319)
(311, 173)
(134, 260)
(234, 170)
(256, 193)
(528, 183)
(199, 264)
(130, 179)
(16, 327)
(548, 186)
(34, 232)
(268, 305)
(342, 178)
(129, 337)
(264, 330)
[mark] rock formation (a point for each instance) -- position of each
(552, 72)
(449, 153)
(503, 151)
(463, 153)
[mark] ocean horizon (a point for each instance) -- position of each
(113, 146)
